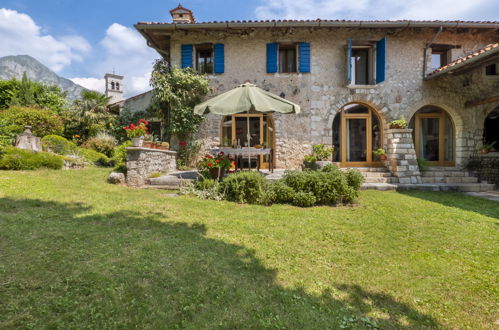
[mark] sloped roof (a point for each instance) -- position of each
(467, 60)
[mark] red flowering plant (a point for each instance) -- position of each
(217, 161)
(141, 129)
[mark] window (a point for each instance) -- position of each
(491, 70)
(366, 62)
(204, 59)
(117, 86)
(112, 84)
(438, 58)
(287, 58)
(361, 66)
(491, 129)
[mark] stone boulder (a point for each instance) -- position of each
(116, 178)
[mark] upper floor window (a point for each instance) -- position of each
(366, 62)
(112, 84)
(438, 58)
(287, 58)
(117, 86)
(491, 69)
(204, 58)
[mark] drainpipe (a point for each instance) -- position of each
(428, 45)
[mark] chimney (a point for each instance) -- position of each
(114, 87)
(182, 15)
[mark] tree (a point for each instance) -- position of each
(176, 92)
(89, 115)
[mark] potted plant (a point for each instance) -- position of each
(323, 154)
(380, 153)
(398, 124)
(137, 132)
(216, 166)
(164, 146)
(147, 141)
(310, 162)
(486, 148)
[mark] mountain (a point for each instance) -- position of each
(15, 66)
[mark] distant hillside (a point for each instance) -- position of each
(14, 66)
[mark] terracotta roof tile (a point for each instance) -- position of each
(462, 60)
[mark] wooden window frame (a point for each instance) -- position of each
(371, 67)
(205, 48)
(286, 48)
(441, 137)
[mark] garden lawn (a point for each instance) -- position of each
(76, 252)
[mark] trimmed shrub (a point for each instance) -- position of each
(354, 178)
(119, 153)
(243, 187)
(205, 184)
(304, 199)
(43, 121)
(280, 193)
(12, 158)
(58, 145)
(104, 145)
(94, 157)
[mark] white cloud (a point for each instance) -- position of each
(95, 84)
(373, 9)
(125, 53)
(20, 35)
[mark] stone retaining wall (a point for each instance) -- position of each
(485, 167)
(142, 162)
(401, 156)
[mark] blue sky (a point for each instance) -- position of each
(84, 39)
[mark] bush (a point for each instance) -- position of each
(104, 144)
(354, 178)
(58, 145)
(304, 199)
(12, 158)
(243, 187)
(280, 193)
(43, 121)
(94, 157)
(205, 184)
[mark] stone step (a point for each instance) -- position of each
(449, 173)
(378, 186)
(368, 169)
(461, 187)
(390, 179)
(453, 179)
(376, 174)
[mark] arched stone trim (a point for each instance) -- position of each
(454, 115)
(380, 108)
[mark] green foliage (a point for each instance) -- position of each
(399, 123)
(119, 154)
(58, 145)
(43, 121)
(187, 152)
(278, 193)
(322, 151)
(95, 157)
(243, 187)
(205, 184)
(176, 92)
(12, 158)
(379, 152)
(354, 178)
(28, 93)
(423, 165)
(102, 143)
(304, 199)
(126, 117)
(309, 159)
(89, 115)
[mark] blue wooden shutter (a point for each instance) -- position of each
(219, 54)
(380, 60)
(304, 51)
(272, 57)
(186, 56)
(349, 61)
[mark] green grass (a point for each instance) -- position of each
(76, 252)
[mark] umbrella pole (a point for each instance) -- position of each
(248, 138)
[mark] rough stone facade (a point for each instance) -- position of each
(323, 92)
(401, 156)
(142, 162)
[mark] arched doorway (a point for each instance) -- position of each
(491, 129)
(357, 131)
(262, 132)
(434, 136)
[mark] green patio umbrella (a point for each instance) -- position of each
(246, 98)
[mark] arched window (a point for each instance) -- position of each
(112, 84)
(117, 86)
(433, 133)
(357, 131)
(491, 129)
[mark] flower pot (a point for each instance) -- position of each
(215, 174)
(322, 163)
(484, 151)
(137, 141)
(147, 144)
(382, 158)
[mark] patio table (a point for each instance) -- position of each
(243, 152)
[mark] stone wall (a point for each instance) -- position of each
(401, 156)
(142, 162)
(485, 167)
(323, 92)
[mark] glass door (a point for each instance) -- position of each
(356, 140)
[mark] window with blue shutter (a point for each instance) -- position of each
(186, 56)
(380, 60)
(304, 53)
(272, 57)
(219, 59)
(349, 61)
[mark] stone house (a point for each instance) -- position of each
(351, 79)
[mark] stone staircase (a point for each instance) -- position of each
(437, 174)
(173, 180)
(378, 178)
